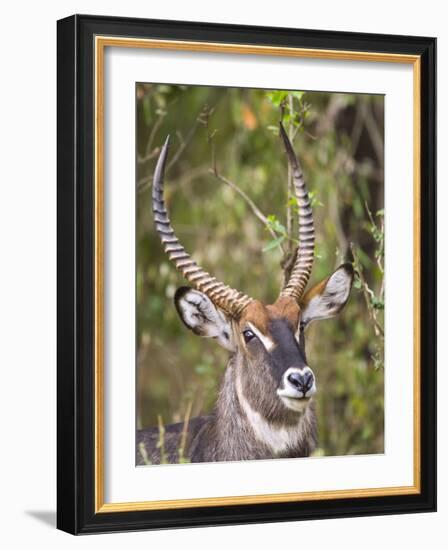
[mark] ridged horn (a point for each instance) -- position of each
(303, 264)
(231, 301)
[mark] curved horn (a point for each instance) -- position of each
(228, 299)
(301, 270)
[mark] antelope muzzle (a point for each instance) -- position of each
(297, 386)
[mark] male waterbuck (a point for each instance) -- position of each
(265, 405)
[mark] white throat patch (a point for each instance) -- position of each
(277, 439)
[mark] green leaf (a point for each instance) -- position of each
(377, 303)
(314, 200)
(273, 244)
(276, 226)
(276, 97)
(298, 95)
(292, 201)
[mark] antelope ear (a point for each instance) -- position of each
(200, 315)
(328, 297)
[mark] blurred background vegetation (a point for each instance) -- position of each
(228, 194)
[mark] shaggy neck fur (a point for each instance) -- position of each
(242, 428)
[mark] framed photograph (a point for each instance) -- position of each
(246, 274)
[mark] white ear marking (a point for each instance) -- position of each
(332, 298)
(201, 316)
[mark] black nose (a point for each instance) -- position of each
(303, 381)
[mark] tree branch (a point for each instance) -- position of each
(153, 133)
(368, 293)
(255, 210)
(145, 182)
(374, 132)
(214, 171)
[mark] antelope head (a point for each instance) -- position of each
(268, 341)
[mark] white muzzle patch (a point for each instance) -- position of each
(294, 394)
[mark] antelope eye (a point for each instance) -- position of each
(248, 335)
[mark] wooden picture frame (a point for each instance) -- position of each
(82, 41)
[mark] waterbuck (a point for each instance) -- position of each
(265, 406)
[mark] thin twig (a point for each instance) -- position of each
(161, 442)
(335, 214)
(328, 120)
(149, 156)
(356, 130)
(368, 293)
(152, 135)
(144, 453)
(256, 211)
(375, 133)
(214, 171)
(184, 143)
(183, 437)
(145, 182)
(379, 230)
(287, 264)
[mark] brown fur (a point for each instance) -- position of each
(314, 291)
(260, 315)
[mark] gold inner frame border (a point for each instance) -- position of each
(101, 42)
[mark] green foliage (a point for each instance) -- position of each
(278, 229)
(374, 299)
(224, 135)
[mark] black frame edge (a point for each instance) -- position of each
(76, 275)
(428, 295)
(66, 274)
